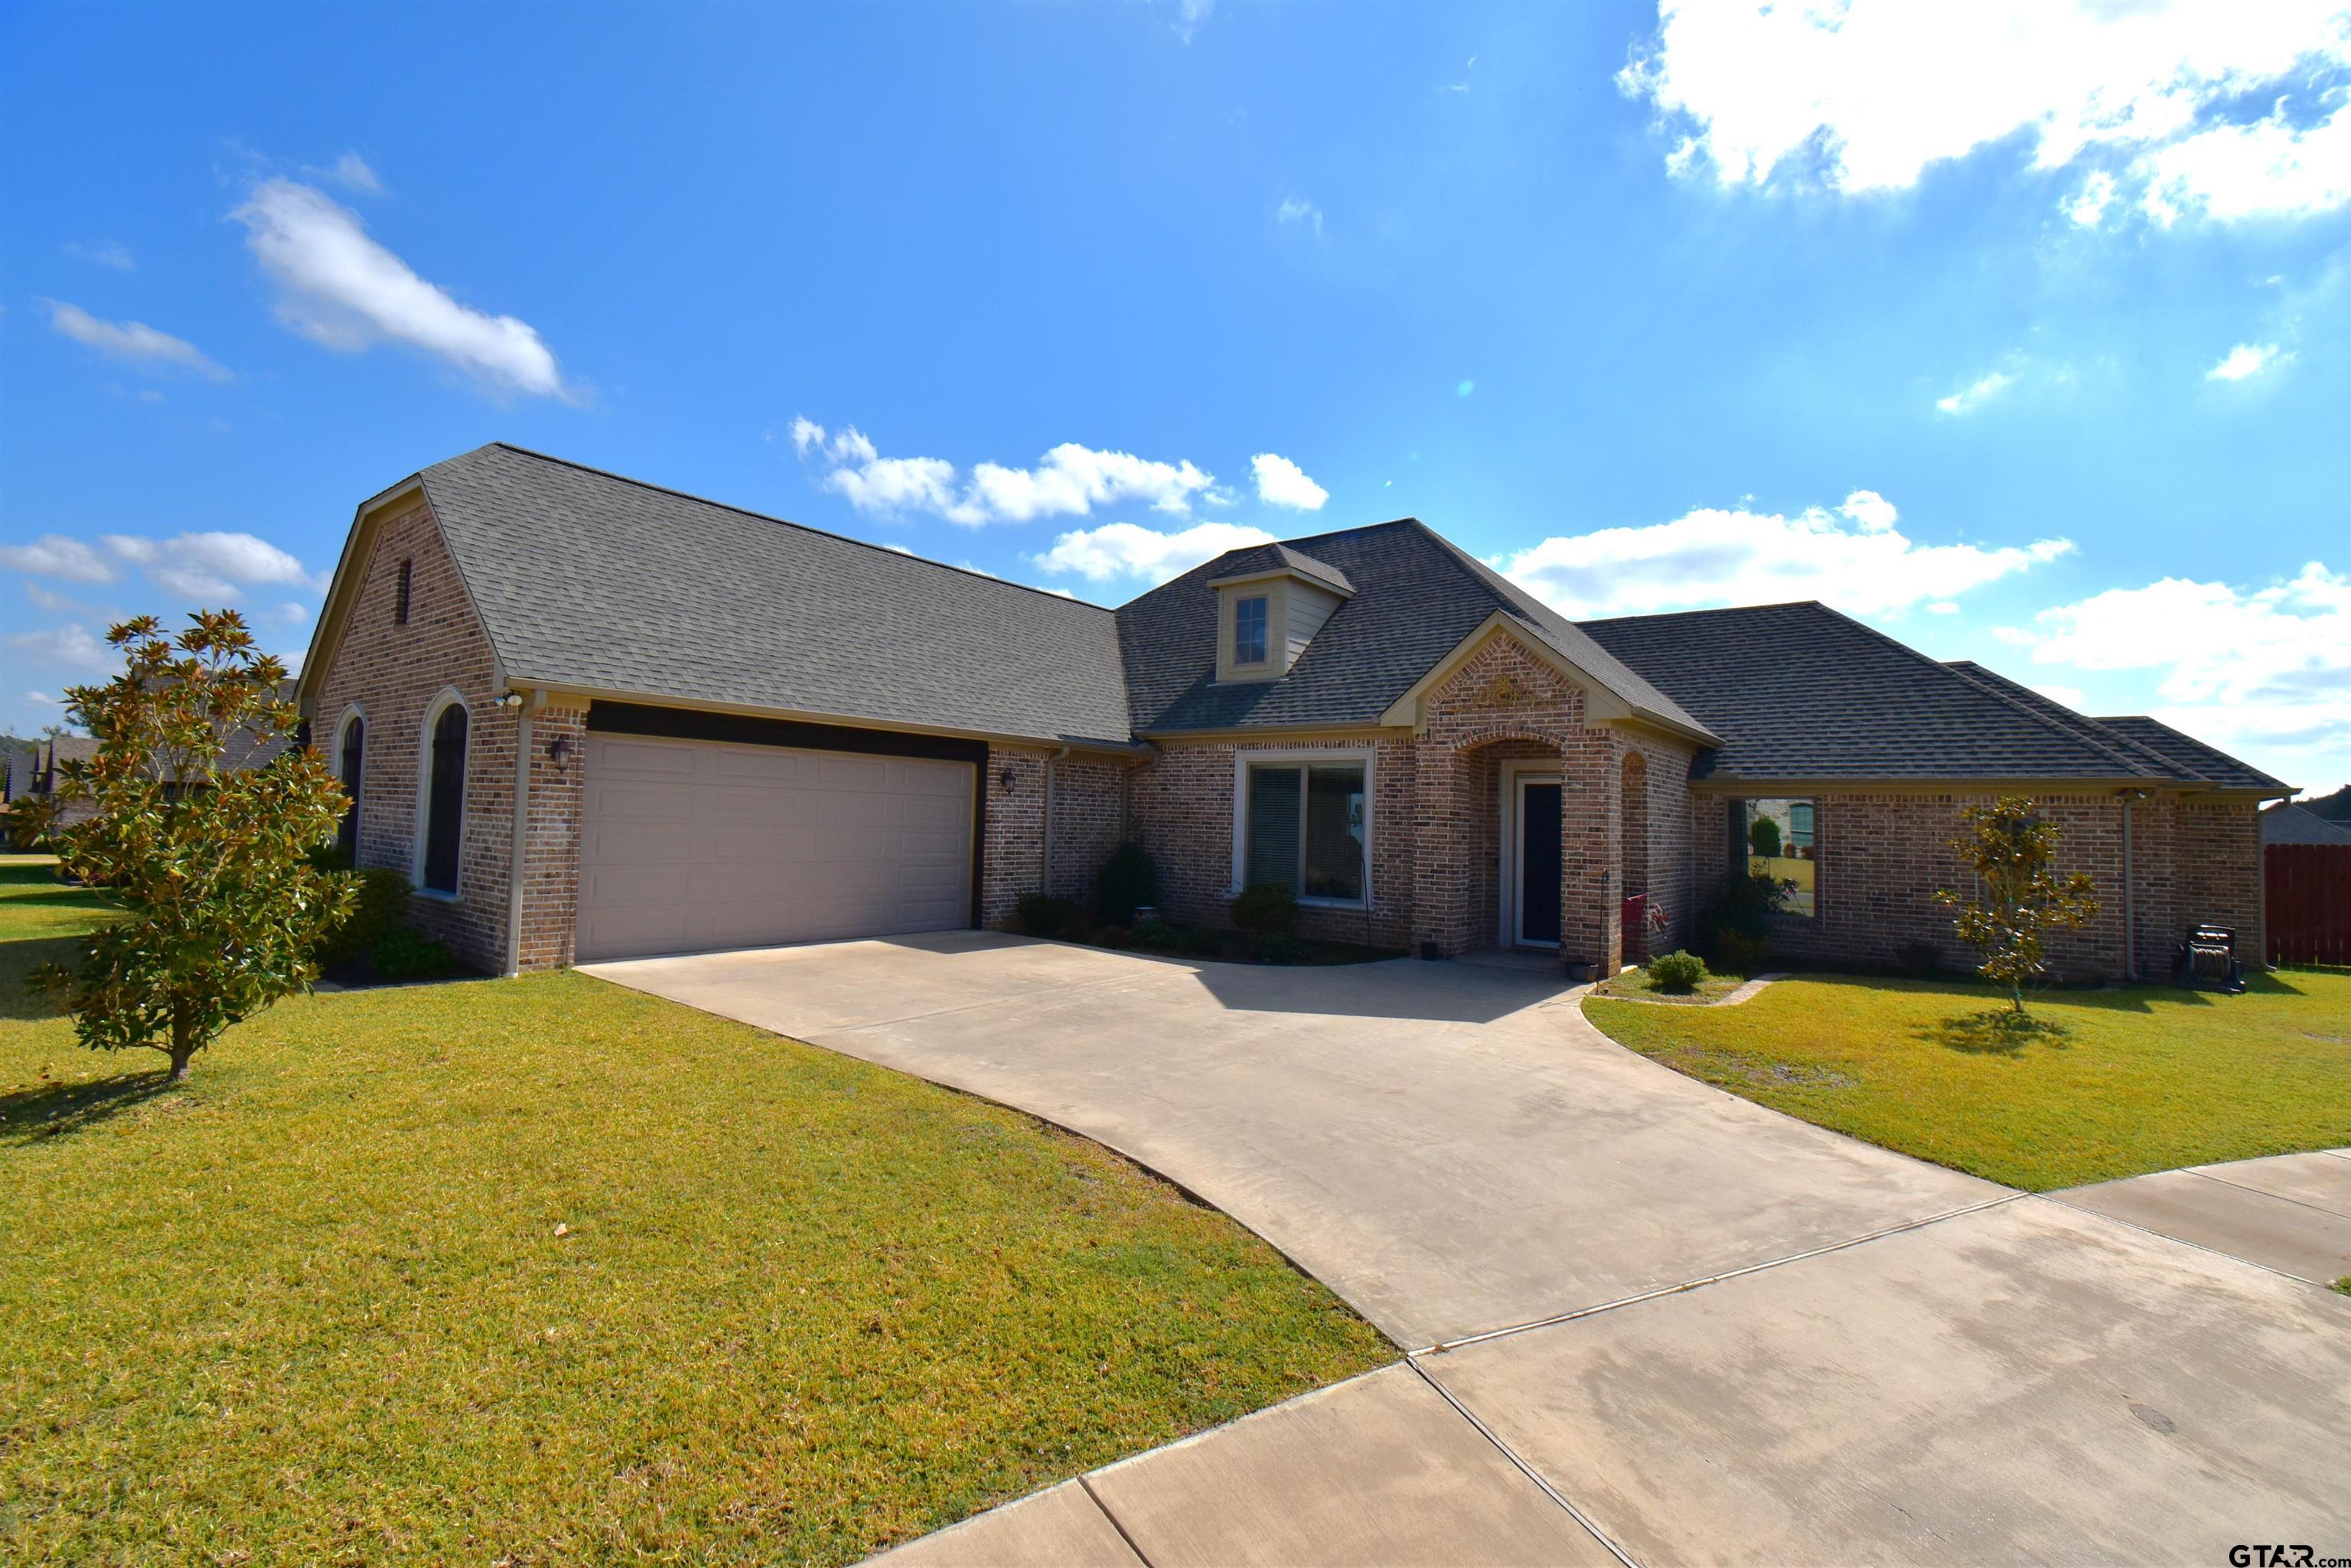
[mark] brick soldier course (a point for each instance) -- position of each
(552, 601)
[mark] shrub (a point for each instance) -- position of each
(1119, 936)
(405, 954)
(1127, 880)
(380, 909)
(1763, 837)
(1920, 960)
(1266, 907)
(1042, 914)
(1737, 922)
(1736, 952)
(1679, 973)
(1278, 947)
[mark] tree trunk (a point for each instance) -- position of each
(184, 1045)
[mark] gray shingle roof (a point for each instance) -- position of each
(2189, 757)
(1417, 596)
(1278, 556)
(2300, 825)
(587, 579)
(1800, 692)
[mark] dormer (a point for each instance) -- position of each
(1271, 600)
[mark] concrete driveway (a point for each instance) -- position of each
(1647, 1320)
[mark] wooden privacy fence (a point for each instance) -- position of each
(2309, 903)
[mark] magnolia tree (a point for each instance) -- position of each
(2019, 893)
(207, 855)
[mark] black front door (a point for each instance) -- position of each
(1539, 863)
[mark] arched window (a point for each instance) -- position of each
(444, 805)
(354, 761)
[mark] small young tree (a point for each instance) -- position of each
(2013, 854)
(1763, 838)
(210, 862)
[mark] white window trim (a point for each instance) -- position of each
(1244, 761)
(447, 697)
(1507, 875)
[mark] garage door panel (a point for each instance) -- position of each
(693, 844)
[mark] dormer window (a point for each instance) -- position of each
(1248, 630)
(1268, 607)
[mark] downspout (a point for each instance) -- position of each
(528, 705)
(1045, 834)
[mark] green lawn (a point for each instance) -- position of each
(314, 1305)
(2108, 1085)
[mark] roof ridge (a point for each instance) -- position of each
(1992, 681)
(1998, 696)
(1708, 610)
(784, 522)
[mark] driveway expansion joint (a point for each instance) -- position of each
(1523, 1467)
(2265, 1192)
(1087, 1483)
(1441, 1346)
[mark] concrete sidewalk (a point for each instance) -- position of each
(2289, 1212)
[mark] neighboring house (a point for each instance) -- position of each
(2298, 824)
(591, 717)
(41, 777)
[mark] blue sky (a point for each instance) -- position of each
(2032, 351)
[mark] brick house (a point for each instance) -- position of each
(592, 718)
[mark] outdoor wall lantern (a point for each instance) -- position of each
(1005, 778)
(560, 750)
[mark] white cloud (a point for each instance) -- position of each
(2066, 696)
(69, 646)
(2267, 169)
(1978, 393)
(1281, 483)
(1189, 14)
(110, 253)
(2264, 673)
(1942, 607)
(352, 172)
(1293, 210)
(1853, 558)
(1070, 481)
(210, 566)
(1864, 95)
(342, 290)
(2245, 360)
(1130, 550)
(53, 555)
(1873, 511)
(132, 340)
(2089, 206)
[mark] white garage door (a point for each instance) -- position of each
(688, 844)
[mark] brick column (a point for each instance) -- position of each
(550, 867)
(1441, 874)
(1590, 891)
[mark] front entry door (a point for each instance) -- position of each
(1538, 857)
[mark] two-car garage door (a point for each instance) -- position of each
(690, 844)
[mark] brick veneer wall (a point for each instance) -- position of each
(557, 797)
(1669, 821)
(1014, 857)
(390, 674)
(1089, 820)
(1884, 854)
(1180, 803)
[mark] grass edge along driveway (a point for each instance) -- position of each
(2108, 1084)
(315, 1304)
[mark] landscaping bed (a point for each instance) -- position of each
(549, 1270)
(2100, 1085)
